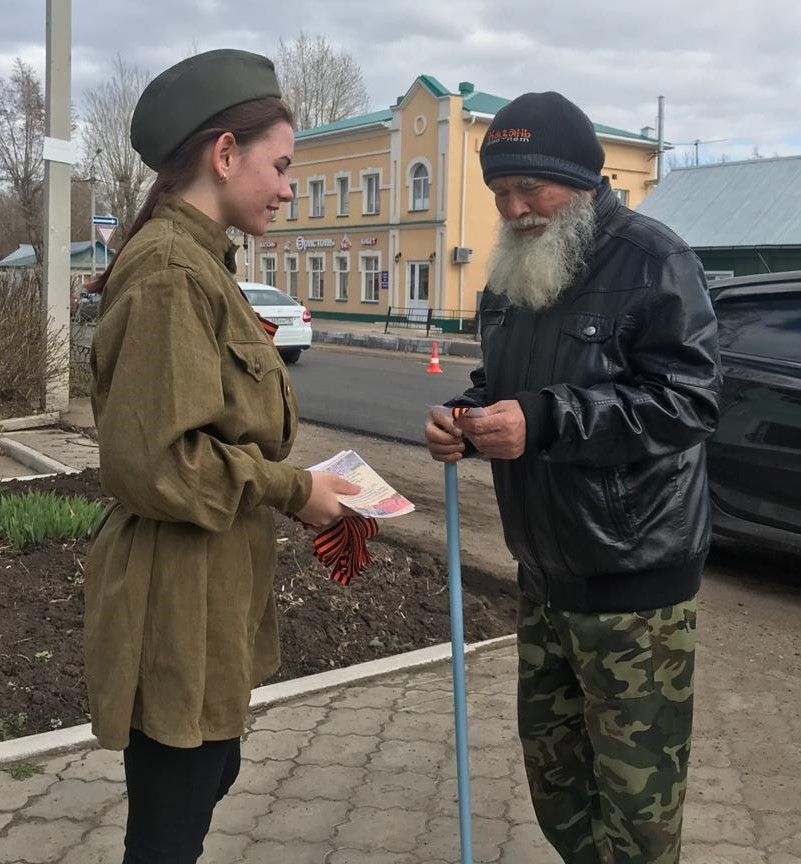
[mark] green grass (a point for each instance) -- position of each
(28, 519)
(24, 771)
(12, 726)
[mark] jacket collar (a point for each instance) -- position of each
(606, 204)
(208, 233)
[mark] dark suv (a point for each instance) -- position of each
(755, 455)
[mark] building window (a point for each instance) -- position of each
(342, 271)
(293, 204)
(269, 268)
(343, 196)
(371, 278)
(291, 267)
(421, 184)
(622, 196)
(316, 266)
(371, 194)
(317, 201)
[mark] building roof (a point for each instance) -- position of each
(24, 256)
(475, 102)
(751, 203)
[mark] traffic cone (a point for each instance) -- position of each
(433, 367)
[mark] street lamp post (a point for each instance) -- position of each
(92, 207)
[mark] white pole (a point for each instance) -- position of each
(58, 170)
(105, 255)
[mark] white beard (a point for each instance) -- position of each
(534, 270)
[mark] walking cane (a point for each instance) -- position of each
(457, 657)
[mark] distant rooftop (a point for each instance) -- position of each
(475, 102)
(752, 203)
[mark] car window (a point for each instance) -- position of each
(265, 297)
(768, 326)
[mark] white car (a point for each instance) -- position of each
(294, 321)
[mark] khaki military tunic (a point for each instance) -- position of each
(194, 411)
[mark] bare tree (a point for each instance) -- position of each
(122, 176)
(22, 129)
(320, 84)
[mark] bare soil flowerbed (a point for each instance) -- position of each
(399, 604)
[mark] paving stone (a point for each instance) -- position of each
(350, 721)
(442, 840)
(102, 846)
(359, 856)
(317, 700)
(519, 807)
(724, 853)
(5, 818)
(389, 790)
(349, 750)
(710, 752)
(262, 777)
(422, 758)
(766, 757)
(221, 848)
(322, 781)
(96, 765)
(377, 696)
(389, 830)
(74, 799)
(783, 858)
(238, 814)
(57, 764)
(40, 842)
(14, 793)
(778, 793)
(428, 703)
(490, 798)
(289, 717)
(116, 815)
(718, 823)
(492, 734)
(309, 821)
(264, 744)
(486, 762)
(410, 727)
(492, 706)
(715, 784)
(772, 730)
(774, 828)
(293, 852)
(791, 846)
(527, 843)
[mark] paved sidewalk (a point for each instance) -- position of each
(364, 773)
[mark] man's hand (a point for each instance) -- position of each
(444, 440)
(500, 433)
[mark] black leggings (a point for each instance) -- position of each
(171, 796)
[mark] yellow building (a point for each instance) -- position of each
(391, 210)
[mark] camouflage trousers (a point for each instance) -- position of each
(605, 705)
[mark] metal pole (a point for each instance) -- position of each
(58, 170)
(457, 657)
(660, 123)
(94, 233)
(105, 256)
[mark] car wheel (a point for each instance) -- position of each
(291, 357)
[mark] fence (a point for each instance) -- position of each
(439, 320)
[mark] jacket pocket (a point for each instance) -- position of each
(256, 358)
(587, 350)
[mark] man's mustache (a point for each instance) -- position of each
(532, 221)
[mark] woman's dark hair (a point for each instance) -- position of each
(246, 122)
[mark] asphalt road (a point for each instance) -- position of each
(374, 392)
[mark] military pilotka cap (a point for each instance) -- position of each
(185, 96)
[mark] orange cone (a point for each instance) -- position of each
(433, 367)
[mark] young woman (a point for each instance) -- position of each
(194, 412)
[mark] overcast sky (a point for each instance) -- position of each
(729, 69)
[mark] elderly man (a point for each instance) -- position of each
(599, 385)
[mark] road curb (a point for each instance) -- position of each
(32, 459)
(79, 737)
(33, 421)
(389, 342)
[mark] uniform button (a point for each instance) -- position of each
(257, 366)
(590, 331)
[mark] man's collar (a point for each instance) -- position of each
(606, 203)
(205, 230)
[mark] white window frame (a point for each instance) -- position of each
(314, 284)
(413, 181)
(273, 258)
(366, 176)
(314, 183)
(292, 215)
(365, 274)
(339, 272)
(622, 195)
(291, 270)
(712, 275)
(343, 180)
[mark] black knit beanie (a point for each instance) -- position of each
(543, 135)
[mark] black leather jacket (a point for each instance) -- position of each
(613, 513)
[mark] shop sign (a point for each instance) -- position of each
(267, 244)
(369, 241)
(303, 243)
(385, 279)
